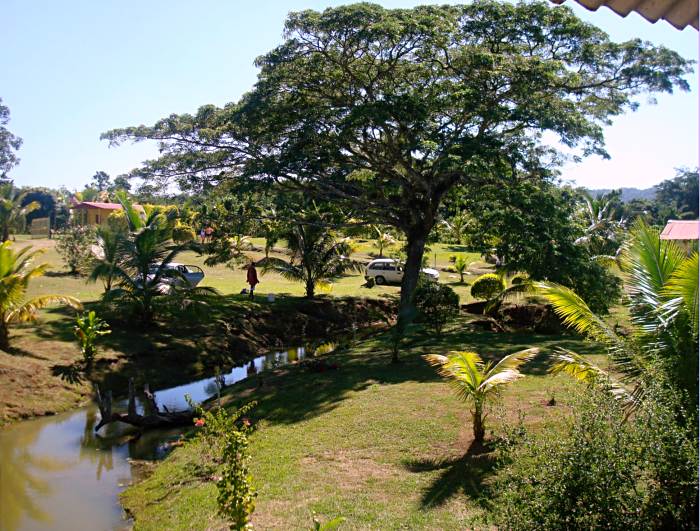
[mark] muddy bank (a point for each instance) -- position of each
(42, 375)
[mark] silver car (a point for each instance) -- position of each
(390, 271)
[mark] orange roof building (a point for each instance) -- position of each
(677, 229)
(96, 213)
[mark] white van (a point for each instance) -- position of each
(390, 271)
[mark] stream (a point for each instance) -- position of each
(57, 473)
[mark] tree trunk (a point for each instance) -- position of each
(310, 289)
(411, 271)
(4, 334)
(479, 429)
(155, 419)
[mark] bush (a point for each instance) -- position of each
(183, 233)
(222, 437)
(487, 286)
(605, 471)
(437, 303)
(74, 245)
(88, 327)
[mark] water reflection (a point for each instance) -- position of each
(22, 480)
(57, 473)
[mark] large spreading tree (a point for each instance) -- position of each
(9, 143)
(386, 110)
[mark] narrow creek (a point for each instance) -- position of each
(57, 473)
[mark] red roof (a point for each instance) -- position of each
(677, 229)
(103, 206)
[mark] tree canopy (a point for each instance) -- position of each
(387, 109)
(9, 143)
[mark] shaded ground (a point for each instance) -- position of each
(43, 375)
(386, 446)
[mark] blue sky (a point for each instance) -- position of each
(74, 69)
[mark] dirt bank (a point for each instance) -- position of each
(41, 375)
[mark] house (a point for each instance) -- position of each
(677, 229)
(96, 213)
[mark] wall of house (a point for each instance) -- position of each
(93, 216)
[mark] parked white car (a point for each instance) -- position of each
(390, 271)
(192, 273)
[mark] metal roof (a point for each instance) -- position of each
(95, 204)
(678, 13)
(677, 229)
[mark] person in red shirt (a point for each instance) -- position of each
(252, 278)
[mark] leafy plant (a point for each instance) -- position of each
(461, 267)
(382, 239)
(318, 256)
(88, 327)
(236, 499)
(143, 279)
(488, 286)
(183, 233)
(662, 282)
(13, 215)
(330, 525)
(74, 244)
(16, 271)
(224, 436)
(437, 303)
(604, 470)
(106, 259)
(477, 382)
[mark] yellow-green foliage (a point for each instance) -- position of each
(487, 286)
(183, 233)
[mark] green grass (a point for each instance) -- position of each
(386, 446)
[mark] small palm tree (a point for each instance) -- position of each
(107, 257)
(461, 268)
(13, 215)
(317, 257)
(382, 239)
(662, 284)
(16, 271)
(457, 226)
(142, 273)
(477, 382)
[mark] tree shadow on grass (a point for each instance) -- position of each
(466, 475)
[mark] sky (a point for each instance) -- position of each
(73, 69)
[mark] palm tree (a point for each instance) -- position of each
(382, 239)
(108, 243)
(457, 226)
(142, 273)
(603, 233)
(461, 268)
(662, 283)
(477, 382)
(317, 256)
(16, 271)
(13, 215)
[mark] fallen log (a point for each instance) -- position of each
(152, 420)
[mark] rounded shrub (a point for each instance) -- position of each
(487, 286)
(437, 303)
(183, 233)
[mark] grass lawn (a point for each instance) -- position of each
(386, 446)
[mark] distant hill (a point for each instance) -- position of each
(628, 194)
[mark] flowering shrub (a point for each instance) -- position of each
(236, 499)
(222, 440)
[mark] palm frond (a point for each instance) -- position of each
(29, 310)
(682, 292)
(576, 313)
(581, 369)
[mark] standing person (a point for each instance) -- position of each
(252, 277)
(202, 235)
(208, 232)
